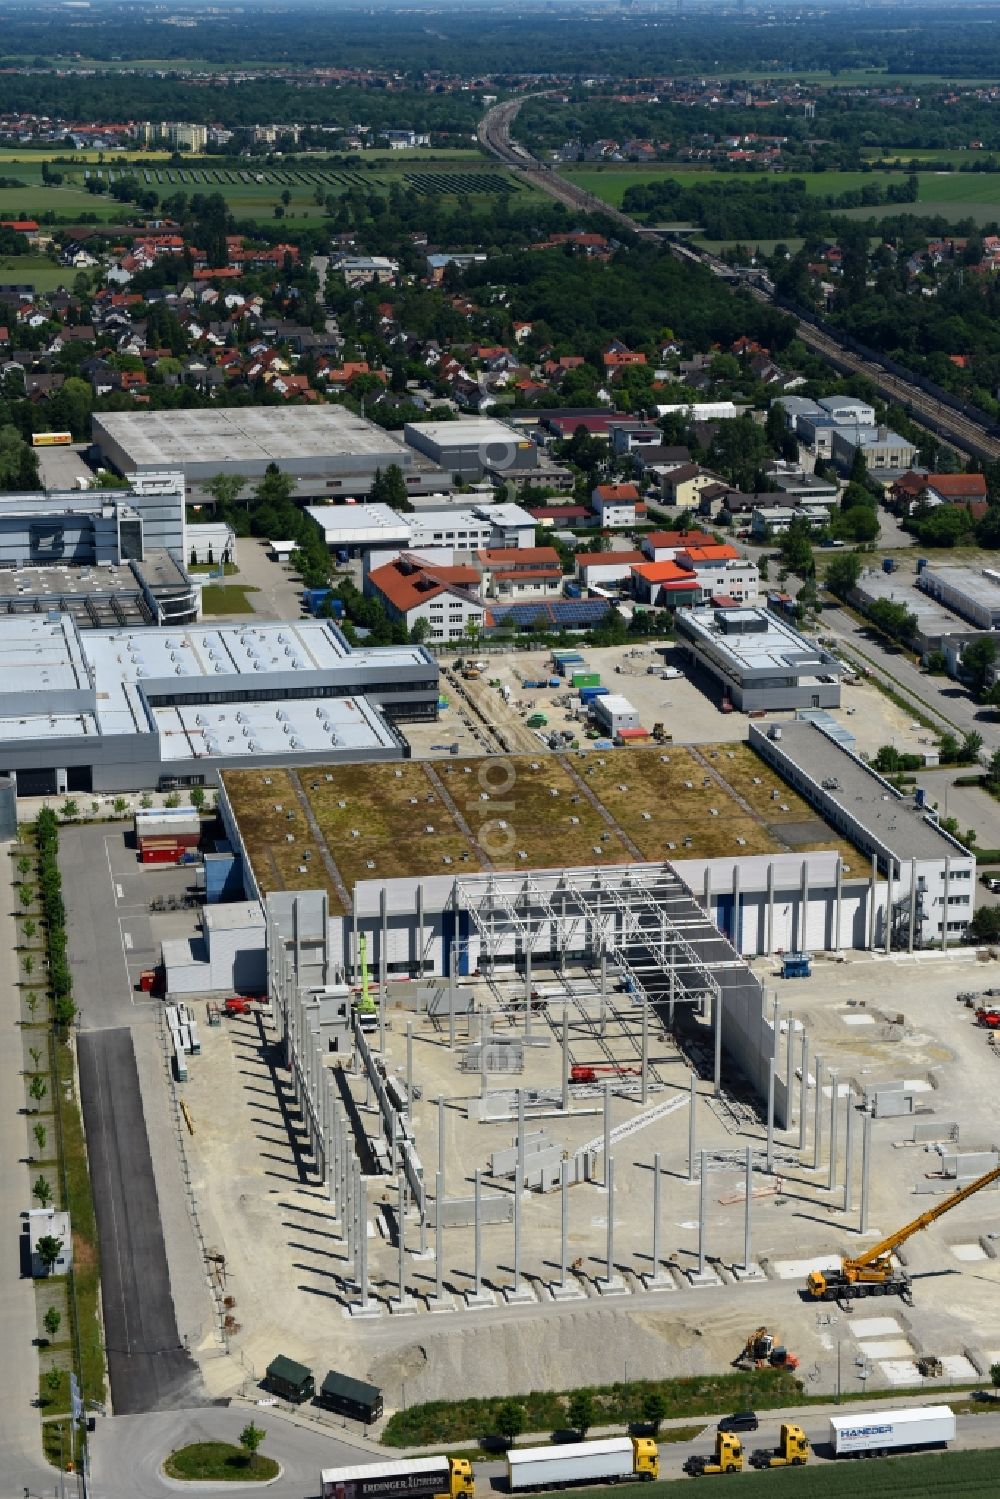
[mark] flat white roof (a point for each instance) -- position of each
(273, 729)
(614, 702)
(466, 430)
(259, 434)
(41, 654)
(357, 525)
(776, 647)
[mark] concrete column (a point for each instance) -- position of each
(803, 944)
(707, 892)
(947, 892)
(839, 909)
(692, 1106)
(818, 1115)
(657, 1178)
(355, 949)
(789, 1068)
(770, 909)
(527, 986)
(717, 1027)
(519, 1181)
(609, 1271)
(831, 1180)
(438, 1238)
(409, 1072)
(607, 1129)
(702, 1187)
(866, 1151)
(564, 1225)
(363, 1240)
(383, 965)
(770, 1116)
(517, 1243)
(477, 1288)
(565, 1059)
(747, 1213)
(888, 906)
(737, 924)
(452, 997)
(440, 1109)
(803, 1090)
(401, 1227)
(911, 937)
(604, 991)
(849, 1154)
(420, 933)
(871, 908)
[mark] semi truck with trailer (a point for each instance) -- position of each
(407, 1478)
(606, 1461)
(878, 1433)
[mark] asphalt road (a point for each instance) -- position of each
(148, 1367)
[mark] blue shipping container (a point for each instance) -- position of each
(315, 601)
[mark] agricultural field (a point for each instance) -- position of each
(34, 270)
(251, 191)
(972, 1475)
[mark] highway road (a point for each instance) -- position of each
(966, 434)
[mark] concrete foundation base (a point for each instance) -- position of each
(520, 1296)
(480, 1302)
(357, 1311)
(440, 1303)
(748, 1272)
(698, 1278)
(405, 1308)
(659, 1282)
(613, 1287)
(571, 1291)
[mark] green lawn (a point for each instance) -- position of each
(226, 598)
(973, 1475)
(207, 1462)
(38, 270)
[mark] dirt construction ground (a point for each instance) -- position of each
(873, 1020)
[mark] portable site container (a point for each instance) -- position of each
(615, 713)
(165, 851)
(586, 679)
(290, 1380)
(590, 694)
(350, 1397)
(194, 1038)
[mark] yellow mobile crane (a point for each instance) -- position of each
(365, 1007)
(873, 1273)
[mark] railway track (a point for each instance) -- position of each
(963, 432)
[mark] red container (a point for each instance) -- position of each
(172, 840)
(162, 855)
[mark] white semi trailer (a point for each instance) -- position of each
(604, 1461)
(875, 1433)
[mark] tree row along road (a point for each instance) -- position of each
(962, 431)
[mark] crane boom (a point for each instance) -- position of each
(872, 1273)
(892, 1241)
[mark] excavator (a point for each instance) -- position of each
(761, 1352)
(873, 1273)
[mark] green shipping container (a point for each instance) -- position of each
(586, 679)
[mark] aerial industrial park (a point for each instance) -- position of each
(499, 751)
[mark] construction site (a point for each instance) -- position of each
(468, 1183)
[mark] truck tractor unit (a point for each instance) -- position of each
(727, 1457)
(791, 1452)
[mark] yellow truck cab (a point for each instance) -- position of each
(646, 1462)
(462, 1481)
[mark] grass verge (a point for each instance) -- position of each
(204, 1462)
(80, 1202)
(450, 1421)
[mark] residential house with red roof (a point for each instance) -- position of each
(412, 589)
(617, 505)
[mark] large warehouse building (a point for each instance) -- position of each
(128, 710)
(810, 868)
(324, 442)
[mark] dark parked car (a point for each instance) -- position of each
(739, 1421)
